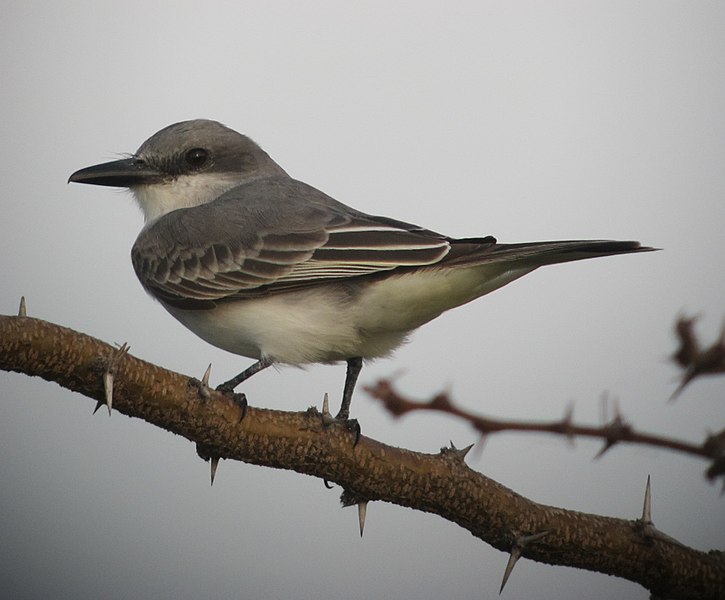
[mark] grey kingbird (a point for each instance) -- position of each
(265, 266)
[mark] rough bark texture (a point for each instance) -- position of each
(437, 483)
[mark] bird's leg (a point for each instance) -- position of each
(354, 365)
(228, 386)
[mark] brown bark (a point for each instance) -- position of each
(369, 470)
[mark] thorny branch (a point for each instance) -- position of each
(367, 470)
(613, 432)
(694, 361)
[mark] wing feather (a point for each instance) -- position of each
(252, 244)
(279, 234)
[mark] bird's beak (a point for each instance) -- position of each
(126, 172)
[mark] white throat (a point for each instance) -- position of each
(184, 191)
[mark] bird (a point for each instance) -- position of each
(265, 266)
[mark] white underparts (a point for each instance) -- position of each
(328, 323)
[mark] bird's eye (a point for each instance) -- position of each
(196, 158)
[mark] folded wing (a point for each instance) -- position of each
(258, 239)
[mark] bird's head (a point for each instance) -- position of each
(185, 164)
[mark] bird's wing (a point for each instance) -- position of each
(269, 236)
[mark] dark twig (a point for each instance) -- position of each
(694, 361)
(614, 431)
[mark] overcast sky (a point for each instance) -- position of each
(523, 120)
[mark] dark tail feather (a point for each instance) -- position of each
(544, 253)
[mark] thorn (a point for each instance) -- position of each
(647, 508)
(457, 453)
(607, 445)
(99, 403)
(203, 385)
(214, 461)
(108, 376)
(22, 310)
(517, 548)
(689, 346)
(108, 388)
(513, 559)
(362, 509)
(465, 451)
(617, 411)
(327, 484)
(460, 453)
(686, 378)
(694, 361)
(645, 527)
(616, 430)
(327, 418)
(567, 423)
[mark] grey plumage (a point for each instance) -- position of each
(263, 246)
(265, 266)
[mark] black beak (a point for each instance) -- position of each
(126, 172)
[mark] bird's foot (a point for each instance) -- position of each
(353, 426)
(228, 386)
(240, 400)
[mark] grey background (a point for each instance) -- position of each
(525, 120)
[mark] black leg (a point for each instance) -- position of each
(228, 386)
(354, 365)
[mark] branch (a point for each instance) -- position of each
(694, 361)
(615, 431)
(369, 470)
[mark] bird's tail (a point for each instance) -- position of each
(469, 253)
